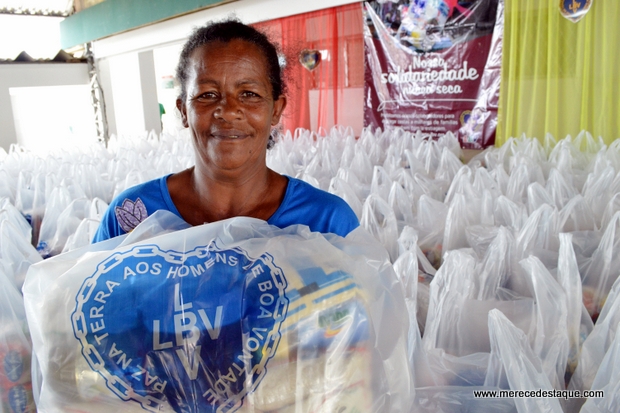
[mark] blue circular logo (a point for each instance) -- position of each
(194, 329)
(18, 399)
(13, 365)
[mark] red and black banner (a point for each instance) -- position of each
(434, 66)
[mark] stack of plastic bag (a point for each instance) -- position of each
(231, 316)
(51, 191)
(524, 220)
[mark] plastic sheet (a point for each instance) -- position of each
(235, 315)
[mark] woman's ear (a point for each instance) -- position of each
(278, 107)
(183, 110)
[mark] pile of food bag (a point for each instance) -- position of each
(513, 250)
(505, 265)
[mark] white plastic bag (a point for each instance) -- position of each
(401, 205)
(521, 365)
(454, 399)
(381, 183)
(452, 344)
(407, 243)
(607, 380)
(597, 191)
(496, 265)
(576, 216)
(83, 235)
(10, 213)
(341, 188)
(236, 314)
(579, 324)
(459, 217)
(378, 218)
(59, 200)
(509, 214)
(539, 236)
(16, 252)
(15, 351)
(549, 339)
(596, 345)
(67, 224)
(601, 270)
(537, 196)
(449, 164)
(430, 225)
(559, 188)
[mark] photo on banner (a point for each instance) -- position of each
(434, 66)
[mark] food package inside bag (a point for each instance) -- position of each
(234, 316)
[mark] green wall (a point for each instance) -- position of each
(116, 16)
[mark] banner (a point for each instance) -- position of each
(434, 66)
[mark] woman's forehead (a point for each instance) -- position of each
(235, 51)
(239, 61)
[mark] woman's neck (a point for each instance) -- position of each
(202, 197)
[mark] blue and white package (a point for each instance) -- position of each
(234, 316)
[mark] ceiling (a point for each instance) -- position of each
(37, 7)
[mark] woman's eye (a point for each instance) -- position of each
(248, 94)
(207, 95)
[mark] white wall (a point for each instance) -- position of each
(48, 118)
(130, 93)
(127, 94)
(33, 74)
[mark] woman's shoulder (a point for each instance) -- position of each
(302, 190)
(142, 190)
(316, 208)
(132, 206)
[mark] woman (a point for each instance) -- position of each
(232, 95)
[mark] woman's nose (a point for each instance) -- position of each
(228, 109)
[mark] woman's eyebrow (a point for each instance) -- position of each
(249, 82)
(206, 80)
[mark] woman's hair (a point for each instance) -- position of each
(225, 31)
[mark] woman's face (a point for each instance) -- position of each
(229, 106)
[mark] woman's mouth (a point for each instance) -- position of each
(228, 135)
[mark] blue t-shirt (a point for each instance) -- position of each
(302, 204)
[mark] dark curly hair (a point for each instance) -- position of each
(226, 31)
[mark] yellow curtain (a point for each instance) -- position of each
(559, 77)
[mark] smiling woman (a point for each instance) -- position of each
(232, 96)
